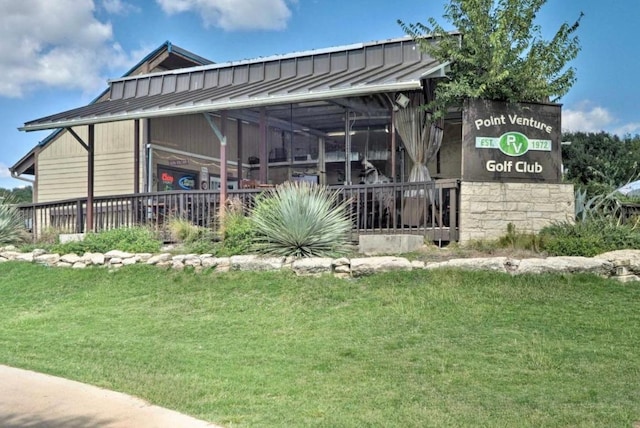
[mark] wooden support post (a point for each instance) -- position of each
(263, 146)
(393, 144)
(136, 156)
(239, 142)
(90, 177)
(223, 162)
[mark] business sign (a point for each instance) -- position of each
(511, 142)
(170, 178)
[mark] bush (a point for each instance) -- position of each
(12, 229)
(182, 230)
(588, 238)
(301, 220)
(132, 239)
(238, 234)
(519, 240)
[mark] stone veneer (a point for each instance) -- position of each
(487, 208)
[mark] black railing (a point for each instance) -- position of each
(426, 208)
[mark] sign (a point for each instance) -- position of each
(170, 178)
(511, 142)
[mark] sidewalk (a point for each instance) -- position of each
(34, 400)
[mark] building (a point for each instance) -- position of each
(326, 116)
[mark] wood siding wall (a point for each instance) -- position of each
(62, 165)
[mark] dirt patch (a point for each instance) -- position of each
(433, 253)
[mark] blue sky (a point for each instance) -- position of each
(58, 54)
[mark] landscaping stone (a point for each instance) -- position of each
(143, 257)
(70, 258)
(93, 259)
(622, 265)
(159, 258)
(25, 257)
(47, 259)
(496, 264)
(117, 254)
(10, 254)
(371, 265)
(314, 266)
(417, 264)
(627, 258)
(193, 261)
(565, 265)
(256, 263)
(130, 261)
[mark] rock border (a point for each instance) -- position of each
(623, 265)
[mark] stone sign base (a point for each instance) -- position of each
(487, 208)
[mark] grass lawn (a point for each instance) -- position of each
(443, 348)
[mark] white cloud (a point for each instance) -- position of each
(56, 43)
(586, 117)
(119, 7)
(4, 171)
(233, 14)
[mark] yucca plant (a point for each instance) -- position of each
(11, 225)
(302, 220)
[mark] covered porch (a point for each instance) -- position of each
(347, 117)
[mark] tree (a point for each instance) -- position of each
(498, 53)
(17, 195)
(600, 162)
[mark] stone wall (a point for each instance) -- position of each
(487, 208)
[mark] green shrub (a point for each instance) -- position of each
(132, 239)
(238, 234)
(588, 238)
(519, 240)
(12, 229)
(182, 230)
(301, 220)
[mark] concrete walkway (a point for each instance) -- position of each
(34, 400)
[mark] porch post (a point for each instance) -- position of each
(239, 143)
(223, 161)
(347, 148)
(393, 144)
(90, 178)
(220, 133)
(263, 146)
(136, 156)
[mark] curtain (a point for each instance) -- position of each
(422, 138)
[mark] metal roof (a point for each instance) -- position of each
(348, 77)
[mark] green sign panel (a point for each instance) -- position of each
(513, 144)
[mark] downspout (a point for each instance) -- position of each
(17, 177)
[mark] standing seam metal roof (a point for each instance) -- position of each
(356, 70)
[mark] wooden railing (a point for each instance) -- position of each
(427, 208)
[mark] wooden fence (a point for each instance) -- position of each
(426, 208)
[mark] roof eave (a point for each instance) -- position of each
(231, 105)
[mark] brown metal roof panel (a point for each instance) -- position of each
(210, 79)
(197, 81)
(183, 82)
(155, 85)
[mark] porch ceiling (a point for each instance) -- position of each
(310, 90)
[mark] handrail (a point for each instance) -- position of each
(426, 208)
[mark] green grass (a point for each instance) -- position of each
(443, 348)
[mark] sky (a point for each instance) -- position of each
(58, 54)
